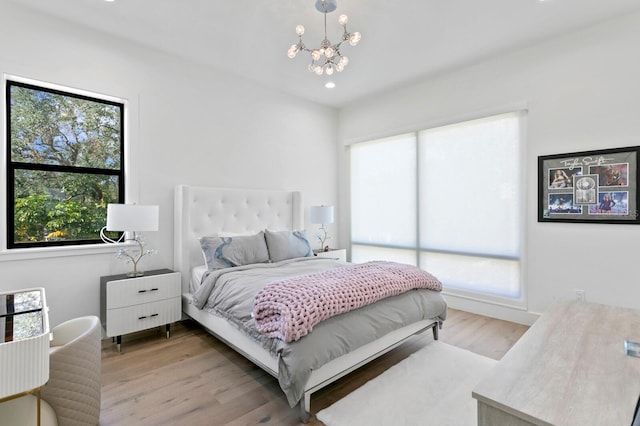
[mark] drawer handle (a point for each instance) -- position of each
(150, 316)
(144, 291)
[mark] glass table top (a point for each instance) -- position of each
(21, 315)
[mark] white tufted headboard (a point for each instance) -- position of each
(201, 211)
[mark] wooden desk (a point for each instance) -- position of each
(568, 369)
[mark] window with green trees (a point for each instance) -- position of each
(65, 163)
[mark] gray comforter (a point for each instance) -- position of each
(229, 293)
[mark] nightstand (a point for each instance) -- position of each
(134, 304)
(338, 254)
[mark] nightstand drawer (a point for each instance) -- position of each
(140, 290)
(140, 317)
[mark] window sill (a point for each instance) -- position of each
(63, 251)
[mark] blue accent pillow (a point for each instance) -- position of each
(284, 245)
(226, 252)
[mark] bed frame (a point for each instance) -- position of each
(201, 211)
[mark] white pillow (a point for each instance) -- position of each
(225, 252)
(284, 245)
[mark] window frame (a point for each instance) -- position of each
(12, 166)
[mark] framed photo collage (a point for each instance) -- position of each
(590, 186)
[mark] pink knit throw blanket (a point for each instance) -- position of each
(289, 309)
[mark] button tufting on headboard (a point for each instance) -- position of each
(201, 211)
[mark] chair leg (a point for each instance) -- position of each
(39, 412)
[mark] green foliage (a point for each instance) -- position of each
(50, 128)
(66, 132)
(30, 217)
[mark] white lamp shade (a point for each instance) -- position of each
(132, 217)
(321, 214)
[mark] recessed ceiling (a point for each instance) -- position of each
(402, 41)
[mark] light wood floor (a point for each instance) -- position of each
(194, 379)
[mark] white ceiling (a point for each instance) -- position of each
(402, 40)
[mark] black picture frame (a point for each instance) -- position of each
(589, 186)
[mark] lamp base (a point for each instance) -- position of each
(134, 274)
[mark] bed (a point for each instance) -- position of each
(203, 211)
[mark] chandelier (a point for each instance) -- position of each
(327, 58)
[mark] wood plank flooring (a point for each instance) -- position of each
(194, 379)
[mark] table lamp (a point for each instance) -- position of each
(131, 219)
(322, 215)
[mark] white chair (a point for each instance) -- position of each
(73, 390)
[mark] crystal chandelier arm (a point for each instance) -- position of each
(333, 60)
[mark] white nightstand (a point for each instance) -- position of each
(133, 304)
(338, 254)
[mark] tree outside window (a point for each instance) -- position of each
(65, 164)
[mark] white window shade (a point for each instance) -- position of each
(383, 192)
(469, 186)
(447, 199)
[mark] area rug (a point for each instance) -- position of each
(431, 387)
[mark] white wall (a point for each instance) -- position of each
(191, 124)
(188, 124)
(582, 93)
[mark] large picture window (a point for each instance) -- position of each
(65, 163)
(446, 199)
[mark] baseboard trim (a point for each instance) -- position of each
(492, 310)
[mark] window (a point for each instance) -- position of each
(65, 163)
(446, 199)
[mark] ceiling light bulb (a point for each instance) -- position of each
(319, 70)
(354, 38)
(329, 70)
(344, 61)
(339, 67)
(299, 30)
(329, 52)
(342, 20)
(330, 85)
(315, 55)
